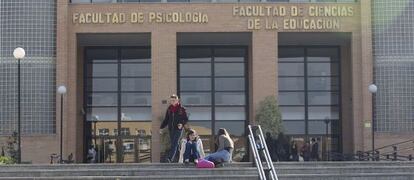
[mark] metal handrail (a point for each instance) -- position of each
(264, 149)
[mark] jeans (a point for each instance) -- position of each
(174, 138)
(219, 156)
(191, 152)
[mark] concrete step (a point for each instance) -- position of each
(127, 172)
(344, 170)
(351, 176)
(198, 177)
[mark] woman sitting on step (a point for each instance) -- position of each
(191, 148)
(225, 148)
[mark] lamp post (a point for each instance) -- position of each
(18, 54)
(373, 89)
(61, 90)
(327, 121)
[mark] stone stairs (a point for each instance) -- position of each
(236, 171)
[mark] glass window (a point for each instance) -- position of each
(102, 55)
(195, 84)
(229, 84)
(323, 98)
(136, 114)
(291, 98)
(195, 54)
(136, 84)
(230, 98)
(101, 70)
(291, 83)
(229, 54)
(229, 69)
(135, 69)
(294, 127)
(234, 128)
(323, 83)
(319, 127)
(195, 69)
(291, 69)
(102, 99)
(102, 84)
(327, 112)
(189, 98)
(135, 55)
(323, 69)
(80, 1)
(230, 113)
(101, 114)
(199, 113)
(293, 113)
(291, 54)
(322, 54)
(136, 99)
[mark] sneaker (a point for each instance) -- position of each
(186, 161)
(195, 161)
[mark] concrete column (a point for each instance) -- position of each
(164, 80)
(262, 68)
(367, 70)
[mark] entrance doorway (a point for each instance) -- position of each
(213, 87)
(310, 94)
(117, 102)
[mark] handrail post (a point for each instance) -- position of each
(394, 153)
(377, 155)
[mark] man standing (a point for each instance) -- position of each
(175, 118)
(315, 150)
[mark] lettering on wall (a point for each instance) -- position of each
(258, 17)
(318, 17)
(139, 18)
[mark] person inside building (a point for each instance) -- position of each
(175, 119)
(191, 148)
(314, 150)
(225, 146)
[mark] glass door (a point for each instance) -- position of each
(118, 103)
(309, 95)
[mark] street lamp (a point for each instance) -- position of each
(61, 90)
(18, 54)
(373, 89)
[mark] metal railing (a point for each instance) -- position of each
(259, 147)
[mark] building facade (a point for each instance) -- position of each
(121, 60)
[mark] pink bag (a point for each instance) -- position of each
(202, 163)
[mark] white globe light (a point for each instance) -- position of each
(19, 53)
(61, 90)
(372, 88)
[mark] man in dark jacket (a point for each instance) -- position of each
(175, 119)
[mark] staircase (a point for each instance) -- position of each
(382, 170)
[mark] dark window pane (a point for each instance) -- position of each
(136, 99)
(323, 69)
(291, 54)
(195, 55)
(199, 113)
(136, 84)
(80, 1)
(322, 54)
(136, 114)
(291, 83)
(291, 69)
(195, 69)
(229, 69)
(102, 55)
(319, 127)
(135, 69)
(230, 113)
(101, 114)
(195, 84)
(323, 98)
(291, 98)
(99, 70)
(104, 84)
(229, 54)
(292, 113)
(328, 112)
(323, 83)
(229, 84)
(102, 99)
(230, 98)
(294, 127)
(196, 98)
(136, 55)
